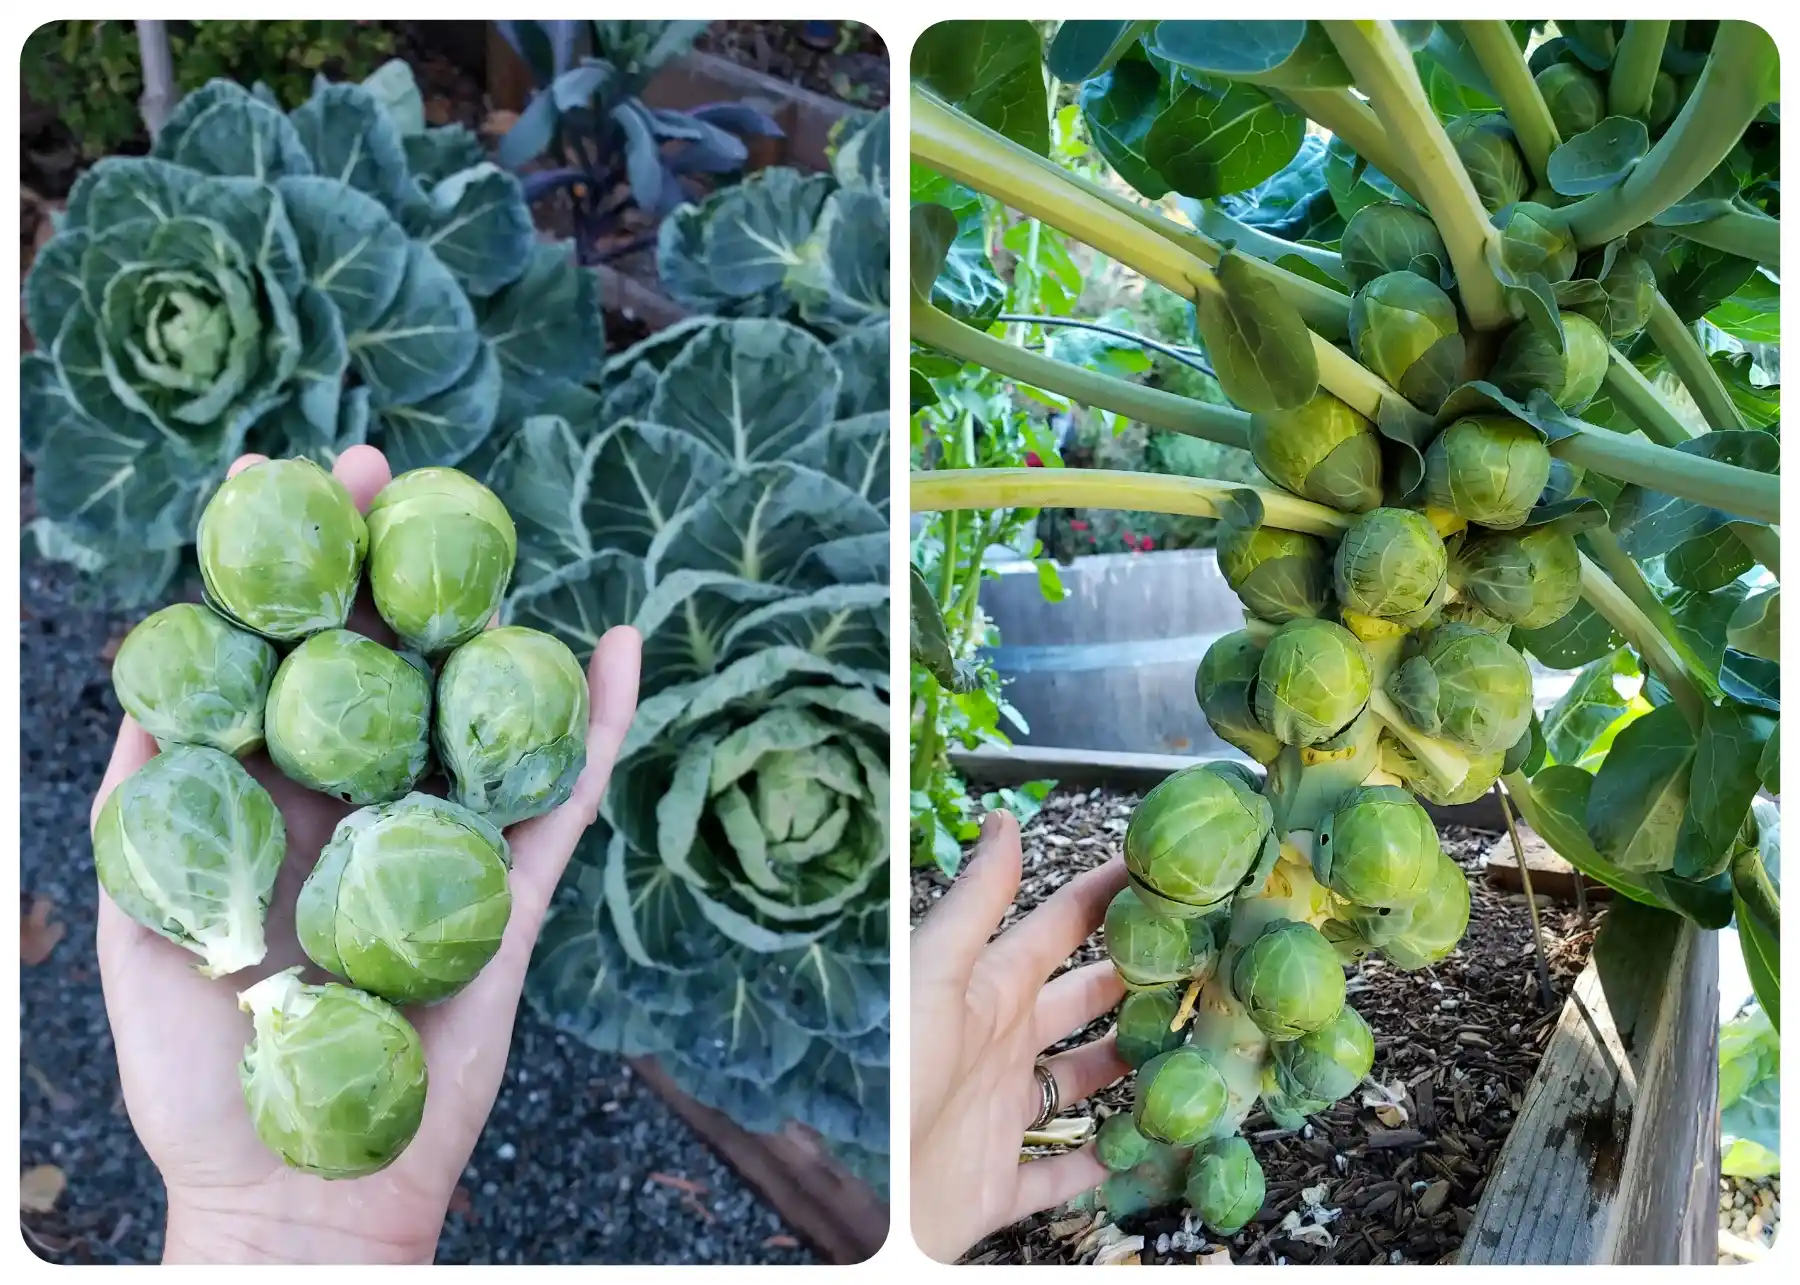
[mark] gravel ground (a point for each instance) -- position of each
(1749, 1218)
(580, 1162)
(1369, 1180)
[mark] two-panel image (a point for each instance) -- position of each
(1331, 813)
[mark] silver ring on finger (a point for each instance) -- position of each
(1050, 1094)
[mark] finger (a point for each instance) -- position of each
(1045, 1184)
(1069, 1002)
(243, 462)
(133, 748)
(542, 845)
(364, 471)
(1082, 1071)
(958, 928)
(1048, 935)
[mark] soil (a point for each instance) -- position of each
(853, 70)
(1391, 1174)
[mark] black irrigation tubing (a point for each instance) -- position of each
(1183, 355)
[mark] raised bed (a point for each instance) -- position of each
(1610, 1153)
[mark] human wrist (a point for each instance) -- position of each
(200, 1231)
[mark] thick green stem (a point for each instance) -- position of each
(1446, 762)
(1351, 119)
(1384, 70)
(1085, 488)
(1226, 425)
(1221, 227)
(1738, 82)
(1622, 610)
(1500, 57)
(1739, 491)
(1631, 81)
(1641, 402)
(1749, 234)
(1688, 360)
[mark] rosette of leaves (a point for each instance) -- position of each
(727, 495)
(790, 244)
(291, 283)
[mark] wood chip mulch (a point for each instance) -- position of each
(1391, 1174)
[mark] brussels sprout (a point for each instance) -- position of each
(190, 678)
(1194, 838)
(1392, 565)
(1327, 1064)
(1377, 847)
(1225, 1185)
(1486, 148)
(511, 723)
(1287, 1110)
(1119, 1146)
(441, 548)
(1322, 450)
(1527, 578)
(1150, 949)
(189, 846)
(1572, 376)
(1576, 101)
(1467, 686)
(1484, 770)
(1144, 1024)
(1179, 1097)
(1387, 236)
(1537, 240)
(1279, 575)
(1489, 469)
(408, 901)
(349, 718)
(1665, 100)
(1223, 684)
(1630, 285)
(281, 548)
(1403, 328)
(1313, 682)
(334, 1078)
(1422, 933)
(1289, 980)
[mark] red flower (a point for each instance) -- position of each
(1146, 544)
(1032, 460)
(1076, 524)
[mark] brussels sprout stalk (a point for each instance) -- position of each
(1492, 43)
(1631, 80)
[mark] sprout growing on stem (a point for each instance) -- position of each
(1489, 469)
(1468, 686)
(1313, 682)
(1529, 579)
(1324, 450)
(1279, 575)
(1194, 838)
(1391, 565)
(1289, 980)
(1225, 1185)
(1377, 847)
(1180, 1096)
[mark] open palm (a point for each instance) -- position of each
(181, 1037)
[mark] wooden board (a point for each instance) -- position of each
(840, 1217)
(1613, 1155)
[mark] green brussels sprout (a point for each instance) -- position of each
(1289, 980)
(1572, 376)
(1489, 469)
(1323, 450)
(1665, 99)
(1145, 1021)
(1576, 101)
(1313, 682)
(1420, 934)
(511, 723)
(1225, 1185)
(1385, 237)
(189, 677)
(1535, 239)
(1488, 152)
(281, 549)
(1377, 847)
(1467, 686)
(1392, 565)
(441, 549)
(1279, 575)
(1223, 684)
(1630, 285)
(1484, 770)
(1179, 1097)
(1194, 839)
(1525, 578)
(409, 900)
(1150, 949)
(189, 846)
(1287, 1110)
(1404, 329)
(1119, 1146)
(334, 1078)
(349, 718)
(1327, 1064)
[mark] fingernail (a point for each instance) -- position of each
(990, 825)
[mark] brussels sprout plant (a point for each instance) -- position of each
(1545, 294)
